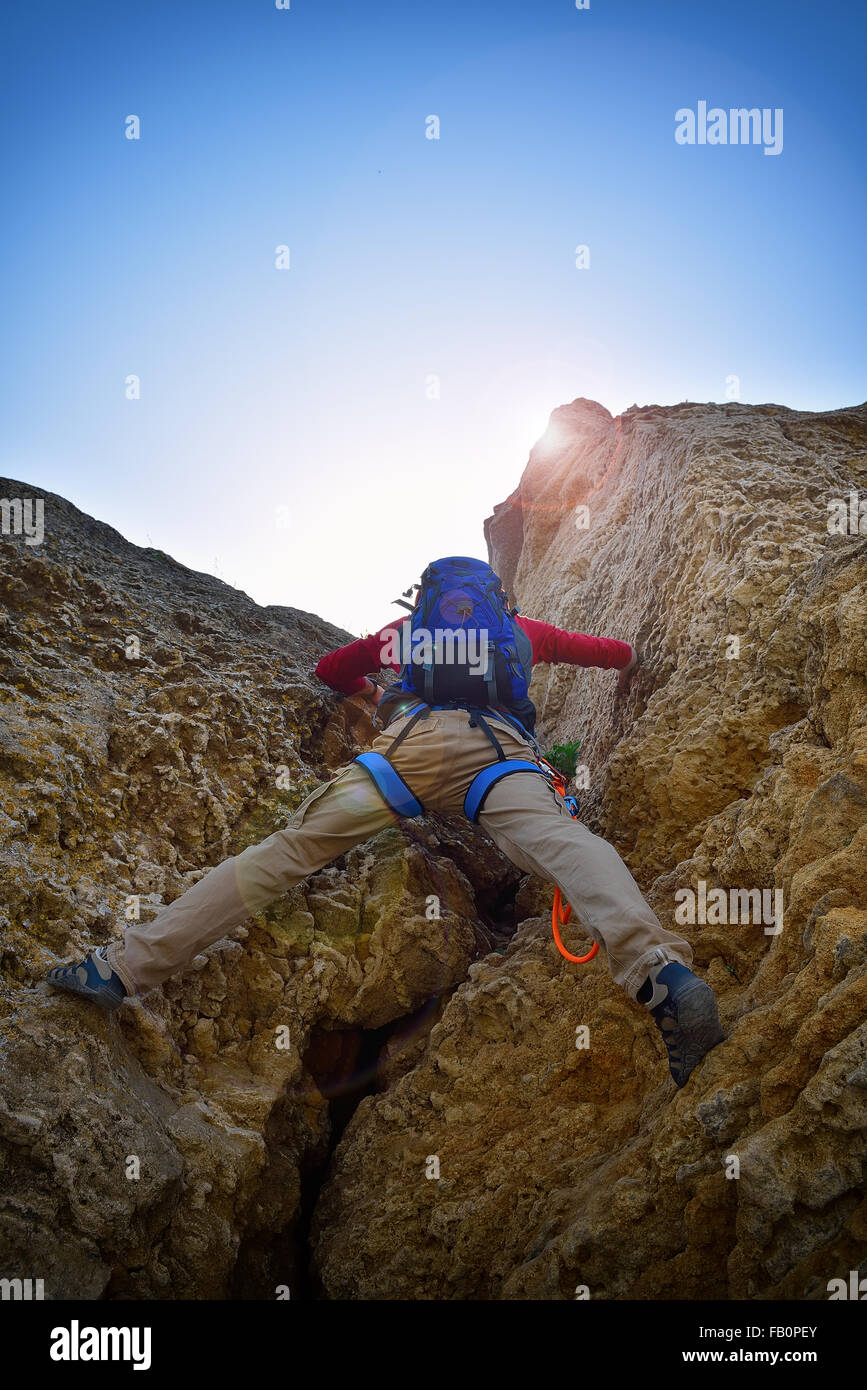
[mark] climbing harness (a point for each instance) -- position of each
(404, 802)
(489, 776)
(388, 781)
(399, 795)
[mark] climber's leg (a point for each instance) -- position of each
(532, 825)
(337, 815)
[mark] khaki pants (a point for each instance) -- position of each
(438, 759)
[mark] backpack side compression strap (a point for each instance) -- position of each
(488, 777)
(390, 785)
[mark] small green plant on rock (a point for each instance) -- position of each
(564, 756)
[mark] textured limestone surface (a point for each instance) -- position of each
(491, 1156)
(565, 1167)
(164, 1152)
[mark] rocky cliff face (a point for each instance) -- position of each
(479, 1152)
(567, 1168)
(154, 721)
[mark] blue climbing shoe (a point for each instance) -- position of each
(685, 1011)
(94, 978)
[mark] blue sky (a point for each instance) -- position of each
(285, 437)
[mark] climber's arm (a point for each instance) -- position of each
(626, 672)
(578, 648)
(345, 669)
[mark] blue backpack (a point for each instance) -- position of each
(466, 650)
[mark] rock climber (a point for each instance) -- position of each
(458, 738)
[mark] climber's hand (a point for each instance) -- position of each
(627, 673)
(372, 693)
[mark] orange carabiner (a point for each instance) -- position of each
(561, 913)
(559, 917)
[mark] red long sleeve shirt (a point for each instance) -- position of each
(346, 668)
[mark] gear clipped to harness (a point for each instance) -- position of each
(561, 912)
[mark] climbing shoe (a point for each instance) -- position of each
(685, 1011)
(94, 978)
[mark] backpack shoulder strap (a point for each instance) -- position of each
(525, 648)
